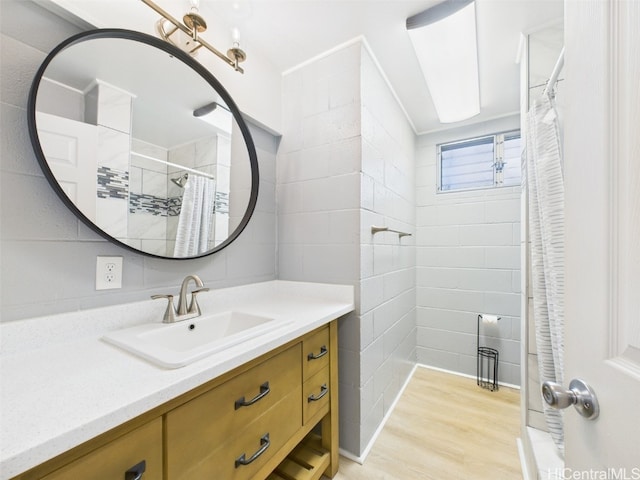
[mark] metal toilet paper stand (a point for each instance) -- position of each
(486, 364)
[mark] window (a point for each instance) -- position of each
(483, 162)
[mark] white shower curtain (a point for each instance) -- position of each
(545, 184)
(196, 214)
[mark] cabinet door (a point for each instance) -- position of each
(112, 460)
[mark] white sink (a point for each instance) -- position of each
(178, 344)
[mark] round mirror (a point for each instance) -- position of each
(143, 144)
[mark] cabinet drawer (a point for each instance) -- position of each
(214, 416)
(315, 352)
(115, 458)
(197, 428)
(279, 423)
(315, 395)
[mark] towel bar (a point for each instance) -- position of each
(375, 230)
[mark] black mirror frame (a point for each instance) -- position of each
(190, 62)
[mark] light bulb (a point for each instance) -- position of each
(235, 36)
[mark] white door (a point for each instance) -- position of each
(602, 178)
(70, 149)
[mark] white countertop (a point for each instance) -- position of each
(61, 385)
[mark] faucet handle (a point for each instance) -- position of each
(170, 312)
(193, 306)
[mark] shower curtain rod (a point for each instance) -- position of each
(553, 79)
(176, 165)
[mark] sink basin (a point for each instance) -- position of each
(178, 344)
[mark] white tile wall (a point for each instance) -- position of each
(150, 150)
(468, 262)
(345, 163)
(113, 119)
(111, 216)
(47, 255)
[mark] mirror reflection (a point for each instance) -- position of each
(144, 147)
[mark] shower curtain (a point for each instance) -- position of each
(196, 215)
(545, 185)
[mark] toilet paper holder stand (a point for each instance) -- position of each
(486, 363)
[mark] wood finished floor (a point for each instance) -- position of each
(445, 427)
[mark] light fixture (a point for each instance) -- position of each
(217, 115)
(169, 29)
(444, 38)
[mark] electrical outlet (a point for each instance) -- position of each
(108, 273)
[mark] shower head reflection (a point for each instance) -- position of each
(181, 180)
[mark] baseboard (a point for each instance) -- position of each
(452, 372)
(360, 459)
(351, 456)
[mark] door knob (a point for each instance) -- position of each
(579, 394)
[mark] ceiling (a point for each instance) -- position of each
(286, 33)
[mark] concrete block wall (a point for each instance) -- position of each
(319, 199)
(388, 274)
(319, 171)
(345, 162)
(468, 262)
(47, 256)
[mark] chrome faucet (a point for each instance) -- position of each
(172, 315)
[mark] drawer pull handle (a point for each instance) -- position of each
(323, 352)
(264, 442)
(135, 472)
(323, 391)
(264, 391)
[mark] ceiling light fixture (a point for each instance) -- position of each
(444, 38)
(216, 114)
(169, 29)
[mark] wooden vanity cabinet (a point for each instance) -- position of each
(253, 423)
(257, 423)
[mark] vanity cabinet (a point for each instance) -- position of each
(275, 417)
